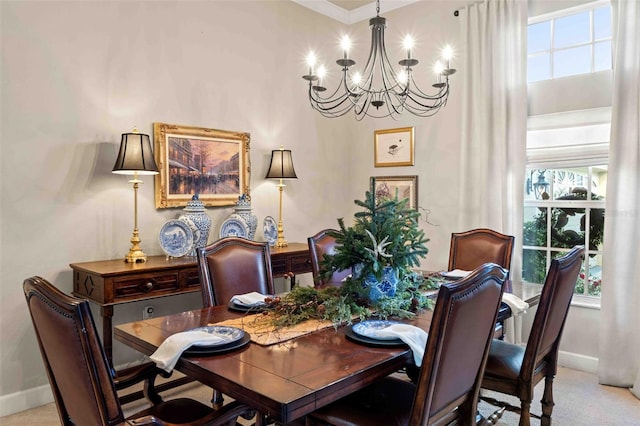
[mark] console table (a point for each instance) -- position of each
(112, 282)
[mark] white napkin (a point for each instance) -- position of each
(517, 305)
(249, 299)
(513, 324)
(413, 336)
(168, 353)
(456, 273)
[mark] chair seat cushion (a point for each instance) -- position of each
(504, 361)
(387, 402)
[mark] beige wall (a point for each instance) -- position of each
(75, 75)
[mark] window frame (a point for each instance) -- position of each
(565, 140)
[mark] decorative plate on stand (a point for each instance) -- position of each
(234, 226)
(176, 238)
(270, 230)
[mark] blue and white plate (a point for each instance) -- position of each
(270, 230)
(234, 227)
(227, 334)
(369, 327)
(176, 238)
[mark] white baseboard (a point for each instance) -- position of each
(578, 362)
(25, 400)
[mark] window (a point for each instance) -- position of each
(576, 41)
(564, 207)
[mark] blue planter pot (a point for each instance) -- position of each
(386, 286)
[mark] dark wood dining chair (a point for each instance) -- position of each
(84, 385)
(473, 248)
(320, 244)
(516, 370)
(449, 379)
(232, 266)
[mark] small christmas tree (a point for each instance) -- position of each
(385, 233)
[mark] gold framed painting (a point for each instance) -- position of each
(406, 187)
(212, 163)
(393, 147)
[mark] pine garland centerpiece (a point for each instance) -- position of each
(380, 248)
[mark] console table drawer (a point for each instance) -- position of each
(191, 278)
(145, 285)
(278, 267)
(300, 264)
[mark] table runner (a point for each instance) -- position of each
(263, 332)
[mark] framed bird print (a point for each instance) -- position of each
(393, 147)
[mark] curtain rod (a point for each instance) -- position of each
(457, 11)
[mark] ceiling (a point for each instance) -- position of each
(351, 11)
(350, 4)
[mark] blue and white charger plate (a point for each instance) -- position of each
(368, 328)
(233, 338)
(364, 330)
(176, 238)
(227, 334)
(270, 230)
(234, 227)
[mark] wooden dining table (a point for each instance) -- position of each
(283, 381)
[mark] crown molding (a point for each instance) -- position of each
(344, 16)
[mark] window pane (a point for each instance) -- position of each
(599, 183)
(572, 61)
(592, 278)
(596, 229)
(535, 226)
(595, 274)
(534, 266)
(602, 56)
(602, 22)
(539, 37)
(569, 184)
(538, 68)
(567, 227)
(571, 30)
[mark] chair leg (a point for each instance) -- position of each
(525, 413)
(547, 401)
(217, 400)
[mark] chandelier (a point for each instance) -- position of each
(389, 92)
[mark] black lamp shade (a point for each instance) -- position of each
(135, 155)
(281, 166)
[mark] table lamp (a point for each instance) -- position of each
(281, 167)
(135, 158)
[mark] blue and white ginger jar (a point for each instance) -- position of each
(200, 223)
(243, 209)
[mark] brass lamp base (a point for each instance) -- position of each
(135, 255)
(281, 242)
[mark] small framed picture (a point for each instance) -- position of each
(406, 187)
(214, 164)
(393, 147)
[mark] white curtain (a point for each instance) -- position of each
(619, 358)
(494, 120)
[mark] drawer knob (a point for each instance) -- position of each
(148, 286)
